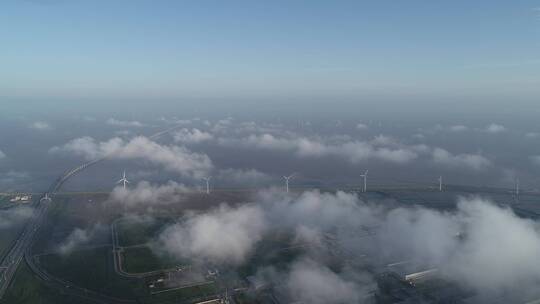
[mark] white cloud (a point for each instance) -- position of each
(458, 128)
(173, 158)
(124, 123)
(222, 235)
(14, 216)
(473, 161)
(464, 244)
(361, 126)
(40, 125)
(310, 282)
(495, 128)
(146, 194)
(191, 136)
(354, 151)
(79, 237)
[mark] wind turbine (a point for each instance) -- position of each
(46, 198)
(440, 183)
(286, 178)
(207, 179)
(365, 180)
(124, 180)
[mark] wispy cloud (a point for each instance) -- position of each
(40, 125)
(495, 128)
(124, 123)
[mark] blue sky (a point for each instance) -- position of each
(57, 48)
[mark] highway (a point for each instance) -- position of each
(22, 245)
(13, 258)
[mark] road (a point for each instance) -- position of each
(22, 245)
(13, 258)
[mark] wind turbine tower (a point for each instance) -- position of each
(207, 179)
(124, 180)
(287, 178)
(440, 183)
(365, 180)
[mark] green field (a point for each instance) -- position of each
(27, 289)
(143, 259)
(135, 233)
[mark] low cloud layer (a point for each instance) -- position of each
(473, 161)
(353, 151)
(222, 235)
(14, 216)
(172, 158)
(40, 125)
(124, 123)
(479, 245)
(191, 136)
(311, 282)
(79, 237)
(381, 148)
(495, 128)
(145, 194)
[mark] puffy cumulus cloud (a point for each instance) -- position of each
(124, 123)
(222, 125)
(14, 216)
(40, 125)
(243, 177)
(444, 128)
(353, 151)
(173, 158)
(496, 236)
(268, 141)
(315, 209)
(458, 128)
(191, 136)
(147, 195)
(88, 147)
(122, 132)
(310, 282)
(495, 128)
(402, 229)
(473, 161)
(222, 235)
(79, 237)
(465, 244)
(478, 245)
(361, 126)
